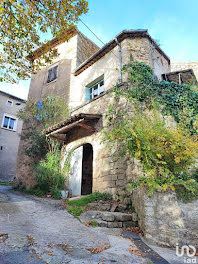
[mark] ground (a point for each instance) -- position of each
(40, 231)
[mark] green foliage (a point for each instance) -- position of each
(47, 173)
(35, 191)
(50, 110)
(93, 223)
(24, 23)
(55, 192)
(37, 119)
(166, 153)
(76, 211)
(77, 207)
(186, 194)
(96, 196)
(6, 183)
(178, 100)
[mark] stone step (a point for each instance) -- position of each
(113, 219)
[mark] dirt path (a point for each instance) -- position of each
(40, 231)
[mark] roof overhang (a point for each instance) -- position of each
(143, 33)
(68, 34)
(183, 76)
(85, 121)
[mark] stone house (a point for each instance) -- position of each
(85, 75)
(10, 130)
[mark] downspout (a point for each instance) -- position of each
(120, 58)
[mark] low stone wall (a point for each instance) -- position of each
(166, 220)
(111, 219)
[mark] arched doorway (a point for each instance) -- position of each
(81, 170)
(87, 169)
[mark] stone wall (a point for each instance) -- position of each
(175, 221)
(70, 55)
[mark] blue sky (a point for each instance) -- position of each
(174, 23)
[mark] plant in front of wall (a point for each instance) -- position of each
(44, 152)
(177, 100)
(165, 152)
(48, 174)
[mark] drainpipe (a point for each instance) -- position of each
(120, 58)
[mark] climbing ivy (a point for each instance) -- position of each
(140, 130)
(178, 100)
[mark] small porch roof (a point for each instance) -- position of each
(80, 120)
(183, 76)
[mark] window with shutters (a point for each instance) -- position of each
(9, 122)
(95, 90)
(52, 74)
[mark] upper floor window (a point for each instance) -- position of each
(52, 74)
(9, 122)
(9, 103)
(95, 90)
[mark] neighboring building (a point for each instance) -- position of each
(10, 129)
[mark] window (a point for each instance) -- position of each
(9, 122)
(9, 103)
(52, 74)
(95, 90)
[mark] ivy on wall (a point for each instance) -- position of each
(166, 152)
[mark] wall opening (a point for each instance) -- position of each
(87, 169)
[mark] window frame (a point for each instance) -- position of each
(51, 67)
(9, 101)
(92, 88)
(10, 117)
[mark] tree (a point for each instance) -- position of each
(23, 22)
(38, 116)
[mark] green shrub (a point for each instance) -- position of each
(6, 183)
(96, 196)
(35, 191)
(178, 100)
(48, 173)
(55, 192)
(77, 207)
(165, 153)
(76, 211)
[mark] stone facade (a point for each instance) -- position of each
(70, 54)
(177, 66)
(110, 173)
(9, 139)
(107, 67)
(175, 221)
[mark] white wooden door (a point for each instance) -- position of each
(75, 173)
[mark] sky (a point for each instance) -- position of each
(173, 23)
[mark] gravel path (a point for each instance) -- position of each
(40, 231)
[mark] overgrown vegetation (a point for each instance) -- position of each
(166, 152)
(6, 183)
(44, 152)
(78, 206)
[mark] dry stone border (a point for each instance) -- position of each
(111, 219)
